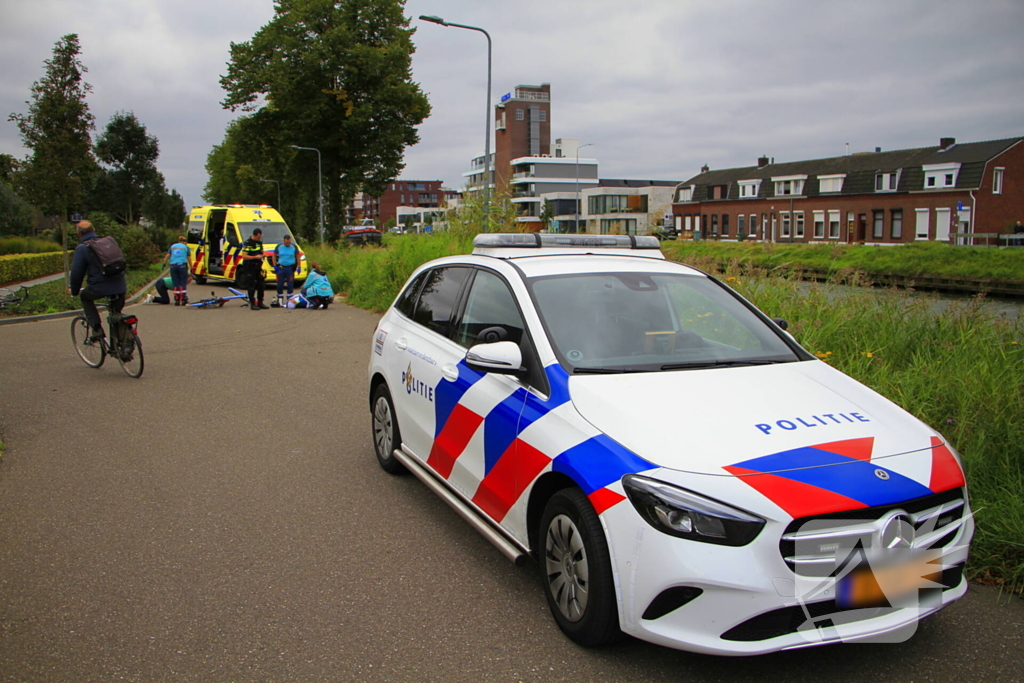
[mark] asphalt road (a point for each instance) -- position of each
(223, 519)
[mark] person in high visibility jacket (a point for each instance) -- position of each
(252, 269)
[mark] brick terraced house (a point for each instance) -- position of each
(963, 193)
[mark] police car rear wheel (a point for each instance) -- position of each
(577, 570)
(386, 437)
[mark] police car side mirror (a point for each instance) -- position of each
(502, 357)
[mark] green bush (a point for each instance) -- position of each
(26, 245)
(20, 267)
(139, 250)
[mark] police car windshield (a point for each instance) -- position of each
(648, 322)
(273, 232)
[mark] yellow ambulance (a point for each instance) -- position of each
(216, 234)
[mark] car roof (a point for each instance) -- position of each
(541, 264)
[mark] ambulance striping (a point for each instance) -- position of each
(946, 472)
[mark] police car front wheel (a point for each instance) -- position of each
(386, 437)
(577, 570)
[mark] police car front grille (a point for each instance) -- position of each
(809, 544)
(787, 620)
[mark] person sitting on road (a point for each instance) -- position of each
(317, 288)
(86, 266)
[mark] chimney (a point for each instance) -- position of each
(762, 162)
(705, 168)
(946, 143)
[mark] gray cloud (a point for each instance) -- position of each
(659, 86)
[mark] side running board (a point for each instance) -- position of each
(503, 544)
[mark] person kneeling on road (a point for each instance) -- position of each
(178, 254)
(163, 288)
(318, 288)
(86, 265)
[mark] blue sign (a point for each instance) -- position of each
(506, 96)
(959, 206)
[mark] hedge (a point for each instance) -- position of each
(19, 267)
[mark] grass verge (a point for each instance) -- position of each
(51, 297)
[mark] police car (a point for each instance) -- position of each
(776, 503)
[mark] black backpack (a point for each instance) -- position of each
(109, 255)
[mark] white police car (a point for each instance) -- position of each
(776, 504)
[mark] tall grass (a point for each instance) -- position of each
(956, 367)
(26, 245)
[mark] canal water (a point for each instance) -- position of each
(995, 306)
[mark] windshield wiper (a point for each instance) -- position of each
(607, 371)
(697, 365)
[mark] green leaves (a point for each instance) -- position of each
(331, 75)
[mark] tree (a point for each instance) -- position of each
(547, 213)
(57, 130)
(334, 75)
(129, 155)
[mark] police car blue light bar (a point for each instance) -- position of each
(530, 240)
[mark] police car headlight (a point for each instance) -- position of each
(678, 512)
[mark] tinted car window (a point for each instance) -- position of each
(490, 306)
(407, 302)
(438, 298)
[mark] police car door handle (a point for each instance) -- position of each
(401, 343)
(450, 372)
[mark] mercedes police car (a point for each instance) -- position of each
(681, 470)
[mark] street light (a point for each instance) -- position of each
(490, 115)
(589, 144)
(320, 177)
(278, 191)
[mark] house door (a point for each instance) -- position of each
(862, 227)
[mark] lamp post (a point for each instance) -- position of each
(320, 178)
(278, 191)
(490, 115)
(577, 225)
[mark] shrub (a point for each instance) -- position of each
(20, 267)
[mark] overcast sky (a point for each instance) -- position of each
(660, 87)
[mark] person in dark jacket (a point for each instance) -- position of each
(86, 266)
(252, 269)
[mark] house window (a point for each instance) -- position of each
(940, 175)
(725, 225)
(799, 216)
(997, 181)
(949, 180)
(520, 115)
(785, 224)
(833, 225)
(403, 199)
(830, 183)
(618, 203)
(686, 194)
(542, 115)
(749, 188)
(923, 218)
(819, 224)
(753, 224)
(741, 225)
(896, 224)
(717, 191)
(618, 226)
(879, 224)
(887, 182)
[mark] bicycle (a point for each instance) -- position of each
(125, 344)
(10, 297)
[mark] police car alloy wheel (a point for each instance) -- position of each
(385, 431)
(576, 570)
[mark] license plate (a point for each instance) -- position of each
(874, 586)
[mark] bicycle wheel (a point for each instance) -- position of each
(93, 353)
(130, 356)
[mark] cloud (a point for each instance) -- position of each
(660, 87)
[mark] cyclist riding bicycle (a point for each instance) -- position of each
(87, 266)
